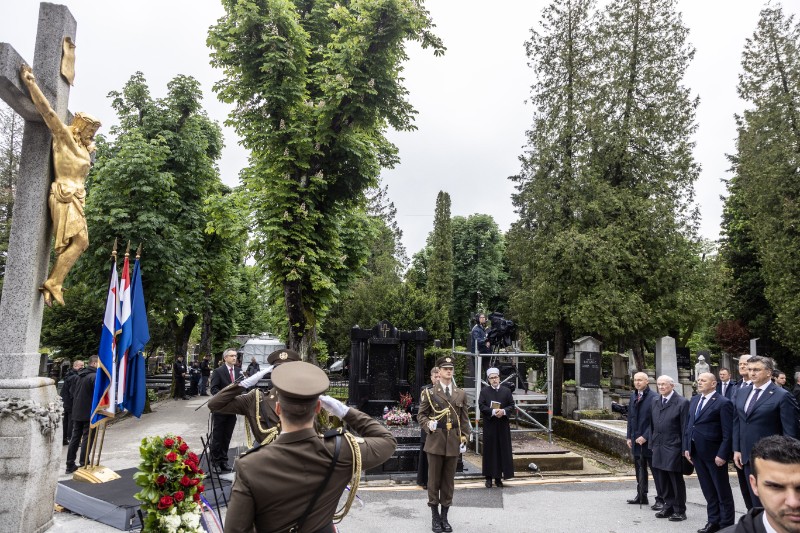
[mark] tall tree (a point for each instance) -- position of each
(478, 270)
(150, 186)
(762, 208)
(11, 126)
(440, 260)
(315, 84)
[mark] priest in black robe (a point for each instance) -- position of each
(496, 403)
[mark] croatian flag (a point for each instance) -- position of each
(103, 403)
(124, 339)
(136, 390)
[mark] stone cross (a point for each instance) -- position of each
(30, 410)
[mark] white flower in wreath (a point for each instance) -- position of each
(191, 520)
(171, 522)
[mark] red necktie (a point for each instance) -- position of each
(231, 371)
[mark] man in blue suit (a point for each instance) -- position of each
(725, 385)
(707, 444)
(639, 413)
(761, 410)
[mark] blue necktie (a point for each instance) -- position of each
(753, 400)
(699, 406)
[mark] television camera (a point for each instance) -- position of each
(501, 333)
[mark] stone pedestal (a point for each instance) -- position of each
(30, 453)
(619, 370)
(589, 399)
(685, 385)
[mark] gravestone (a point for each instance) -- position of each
(619, 370)
(683, 357)
(379, 365)
(30, 409)
(588, 373)
(667, 360)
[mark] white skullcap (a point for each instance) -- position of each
(701, 358)
(492, 371)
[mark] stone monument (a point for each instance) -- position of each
(588, 374)
(30, 409)
(667, 361)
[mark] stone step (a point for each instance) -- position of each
(549, 462)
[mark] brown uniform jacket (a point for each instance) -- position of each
(230, 400)
(441, 441)
(269, 499)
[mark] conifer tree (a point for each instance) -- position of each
(440, 261)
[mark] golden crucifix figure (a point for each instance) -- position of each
(72, 149)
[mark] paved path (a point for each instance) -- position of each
(529, 505)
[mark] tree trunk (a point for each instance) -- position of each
(205, 330)
(295, 312)
(559, 353)
(638, 355)
(182, 333)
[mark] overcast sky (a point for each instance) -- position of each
(471, 102)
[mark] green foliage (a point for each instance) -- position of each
(74, 329)
(440, 260)
(762, 246)
(314, 85)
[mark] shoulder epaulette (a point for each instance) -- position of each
(333, 433)
(255, 447)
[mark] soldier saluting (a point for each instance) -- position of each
(443, 416)
(295, 483)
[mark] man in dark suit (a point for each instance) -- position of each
(422, 469)
(725, 385)
(669, 415)
(741, 384)
(640, 410)
(82, 397)
(295, 483)
(707, 444)
(796, 389)
(763, 409)
(223, 424)
(179, 375)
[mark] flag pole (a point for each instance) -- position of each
(93, 472)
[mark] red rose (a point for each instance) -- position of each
(185, 481)
(179, 438)
(169, 443)
(200, 471)
(172, 457)
(200, 488)
(193, 457)
(178, 496)
(183, 447)
(195, 482)
(196, 496)
(165, 502)
(161, 479)
(192, 467)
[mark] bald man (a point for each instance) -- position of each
(707, 443)
(639, 413)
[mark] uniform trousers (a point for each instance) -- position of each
(672, 487)
(441, 479)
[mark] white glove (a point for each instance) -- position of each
(462, 448)
(432, 424)
(334, 406)
(253, 380)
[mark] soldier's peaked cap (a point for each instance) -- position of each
(299, 380)
(283, 356)
(446, 361)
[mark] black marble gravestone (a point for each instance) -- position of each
(589, 369)
(379, 366)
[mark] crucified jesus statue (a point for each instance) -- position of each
(72, 149)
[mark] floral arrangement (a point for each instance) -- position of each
(405, 401)
(171, 481)
(397, 417)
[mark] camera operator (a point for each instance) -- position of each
(478, 337)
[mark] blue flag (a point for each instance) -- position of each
(136, 389)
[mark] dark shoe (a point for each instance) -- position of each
(446, 527)
(657, 506)
(639, 500)
(664, 514)
(71, 469)
(499, 483)
(185, 398)
(709, 528)
(436, 520)
(677, 517)
(488, 483)
(223, 467)
(424, 487)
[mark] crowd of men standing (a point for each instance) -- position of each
(723, 422)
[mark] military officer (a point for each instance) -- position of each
(314, 470)
(257, 407)
(443, 416)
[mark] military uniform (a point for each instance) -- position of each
(443, 444)
(270, 499)
(256, 406)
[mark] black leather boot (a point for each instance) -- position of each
(436, 520)
(446, 527)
